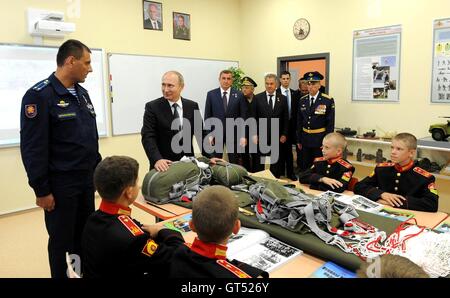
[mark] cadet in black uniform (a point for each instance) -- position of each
(59, 146)
(330, 172)
(116, 245)
(401, 183)
(315, 119)
(214, 218)
(250, 159)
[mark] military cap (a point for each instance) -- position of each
(248, 81)
(312, 76)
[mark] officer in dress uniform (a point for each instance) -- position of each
(250, 158)
(315, 120)
(401, 183)
(115, 244)
(59, 147)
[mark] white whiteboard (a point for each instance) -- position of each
(21, 67)
(136, 80)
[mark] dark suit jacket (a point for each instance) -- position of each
(292, 131)
(236, 107)
(280, 111)
(156, 131)
(148, 24)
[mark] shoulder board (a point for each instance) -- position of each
(233, 269)
(422, 172)
(41, 85)
(304, 96)
(130, 225)
(319, 159)
(326, 96)
(345, 164)
(386, 164)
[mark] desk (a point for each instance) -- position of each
(160, 212)
(426, 219)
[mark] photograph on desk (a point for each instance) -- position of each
(400, 215)
(357, 201)
(332, 270)
(256, 247)
(443, 227)
(180, 224)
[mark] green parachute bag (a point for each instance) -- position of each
(228, 174)
(182, 177)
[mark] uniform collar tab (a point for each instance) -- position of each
(209, 250)
(399, 168)
(112, 208)
(333, 160)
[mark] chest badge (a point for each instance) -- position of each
(321, 109)
(63, 104)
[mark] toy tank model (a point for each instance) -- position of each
(440, 131)
(370, 134)
(347, 131)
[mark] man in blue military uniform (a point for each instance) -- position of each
(59, 146)
(315, 119)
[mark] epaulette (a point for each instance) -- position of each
(233, 269)
(326, 96)
(386, 164)
(345, 164)
(422, 172)
(319, 159)
(130, 225)
(41, 85)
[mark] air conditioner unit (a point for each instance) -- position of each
(44, 23)
(52, 28)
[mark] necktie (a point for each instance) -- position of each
(155, 24)
(176, 115)
(288, 96)
(224, 99)
(270, 101)
(312, 103)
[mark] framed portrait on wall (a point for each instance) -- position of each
(181, 26)
(152, 15)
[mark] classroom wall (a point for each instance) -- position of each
(267, 31)
(117, 26)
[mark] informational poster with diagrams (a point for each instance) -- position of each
(440, 86)
(376, 64)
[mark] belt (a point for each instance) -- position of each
(318, 130)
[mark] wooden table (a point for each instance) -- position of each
(160, 212)
(303, 265)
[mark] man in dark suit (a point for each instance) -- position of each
(315, 120)
(166, 119)
(225, 103)
(287, 157)
(300, 92)
(153, 21)
(271, 106)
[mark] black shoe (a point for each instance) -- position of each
(292, 177)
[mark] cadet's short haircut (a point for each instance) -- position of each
(337, 139)
(408, 139)
(214, 213)
(71, 47)
(225, 71)
(114, 174)
(285, 72)
(391, 266)
(270, 76)
(178, 74)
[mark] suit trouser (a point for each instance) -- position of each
(286, 159)
(74, 202)
(307, 156)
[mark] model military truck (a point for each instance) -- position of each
(440, 131)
